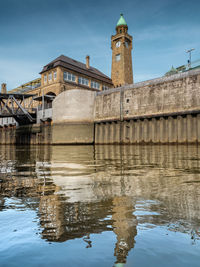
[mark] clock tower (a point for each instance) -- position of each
(121, 44)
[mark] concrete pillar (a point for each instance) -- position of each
(145, 130)
(96, 138)
(150, 130)
(157, 132)
(162, 131)
(108, 127)
(126, 132)
(7, 139)
(131, 131)
(182, 129)
(141, 132)
(137, 131)
(172, 130)
(13, 135)
(1, 132)
(194, 128)
(106, 133)
(134, 132)
(154, 124)
(112, 132)
(101, 133)
(117, 132)
(122, 133)
(198, 128)
(97, 133)
(191, 129)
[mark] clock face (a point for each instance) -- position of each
(126, 44)
(118, 44)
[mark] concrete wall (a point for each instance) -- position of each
(73, 117)
(165, 110)
(74, 106)
(37, 134)
(175, 94)
(167, 130)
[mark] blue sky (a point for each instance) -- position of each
(32, 33)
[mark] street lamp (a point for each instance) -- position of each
(190, 56)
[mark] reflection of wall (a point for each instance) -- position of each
(77, 187)
(166, 173)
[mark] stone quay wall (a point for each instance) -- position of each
(37, 134)
(163, 110)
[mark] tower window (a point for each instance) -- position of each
(117, 57)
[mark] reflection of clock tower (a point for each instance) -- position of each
(121, 44)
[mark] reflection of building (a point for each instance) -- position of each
(124, 226)
(78, 191)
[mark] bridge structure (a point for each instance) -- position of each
(16, 106)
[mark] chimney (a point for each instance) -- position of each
(87, 62)
(3, 88)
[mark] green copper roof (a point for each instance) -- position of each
(121, 21)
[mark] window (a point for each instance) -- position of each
(105, 87)
(50, 76)
(95, 85)
(45, 78)
(117, 57)
(67, 76)
(83, 81)
(55, 75)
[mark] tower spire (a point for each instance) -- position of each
(121, 21)
(121, 44)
